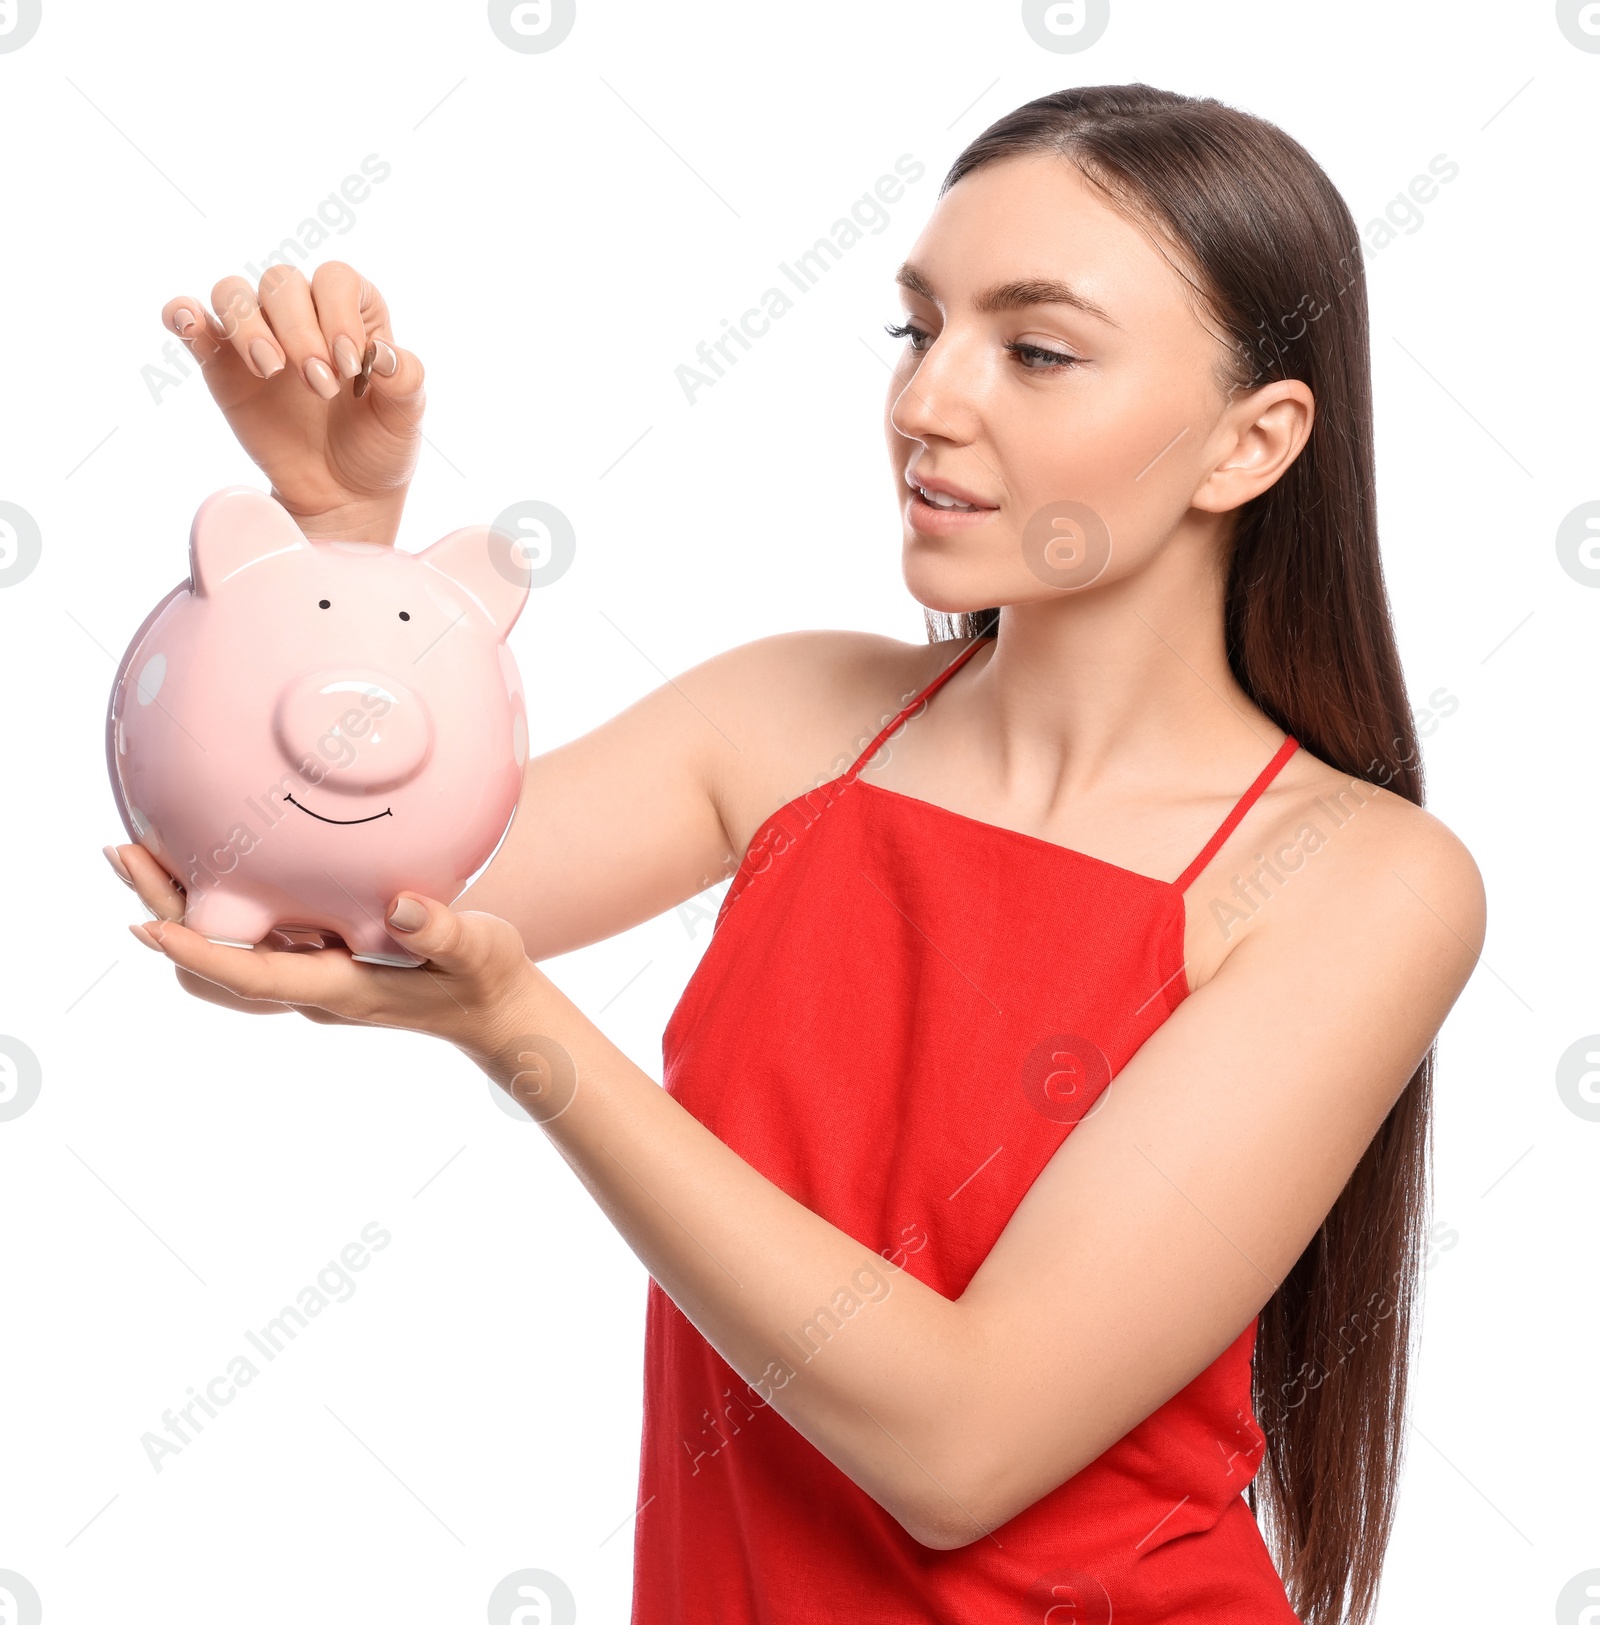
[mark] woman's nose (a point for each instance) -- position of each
(938, 400)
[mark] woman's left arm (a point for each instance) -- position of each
(1149, 1241)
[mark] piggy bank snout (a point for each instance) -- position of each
(355, 731)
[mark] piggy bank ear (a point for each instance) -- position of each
(235, 527)
(487, 564)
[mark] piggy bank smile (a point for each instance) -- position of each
(388, 812)
(304, 728)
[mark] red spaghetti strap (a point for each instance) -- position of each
(1241, 807)
(921, 699)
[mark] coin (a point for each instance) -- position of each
(369, 355)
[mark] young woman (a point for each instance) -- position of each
(1039, 1345)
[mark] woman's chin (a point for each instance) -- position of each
(955, 576)
(939, 591)
(939, 605)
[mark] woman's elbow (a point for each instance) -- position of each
(944, 1529)
(959, 1508)
(944, 1515)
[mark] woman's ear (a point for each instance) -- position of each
(1271, 426)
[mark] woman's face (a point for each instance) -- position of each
(1081, 432)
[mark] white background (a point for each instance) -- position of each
(557, 234)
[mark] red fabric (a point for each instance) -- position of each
(892, 991)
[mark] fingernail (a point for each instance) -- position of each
(320, 376)
(265, 358)
(114, 858)
(387, 363)
(147, 935)
(347, 355)
(408, 915)
(183, 320)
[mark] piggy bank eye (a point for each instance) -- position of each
(405, 615)
(322, 603)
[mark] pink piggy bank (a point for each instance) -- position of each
(304, 728)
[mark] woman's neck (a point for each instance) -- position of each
(1128, 678)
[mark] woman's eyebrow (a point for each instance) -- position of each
(1010, 295)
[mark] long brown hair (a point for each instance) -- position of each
(1309, 638)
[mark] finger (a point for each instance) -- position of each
(330, 979)
(285, 300)
(350, 310)
(189, 318)
(136, 868)
(246, 328)
(212, 994)
(468, 944)
(396, 384)
(352, 313)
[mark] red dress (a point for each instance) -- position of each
(891, 991)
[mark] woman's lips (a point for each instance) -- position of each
(931, 520)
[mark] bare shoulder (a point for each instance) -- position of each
(805, 673)
(1356, 863)
(795, 709)
(1423, 852)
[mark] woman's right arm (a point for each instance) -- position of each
(621, 824)
(659, 803)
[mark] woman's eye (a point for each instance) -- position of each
(1036, 358)
(907, 331)
(1033, 357)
